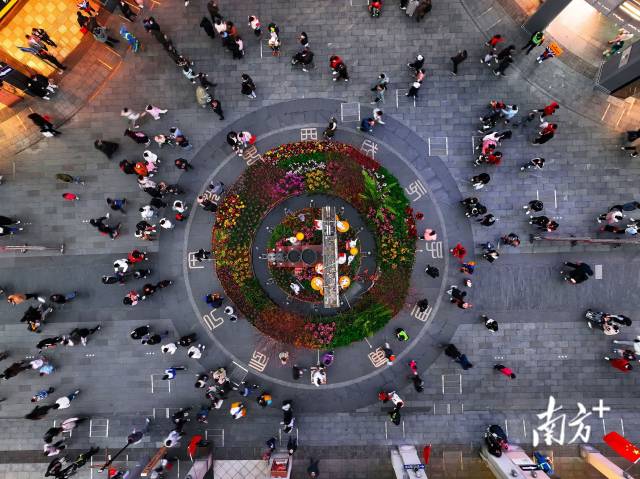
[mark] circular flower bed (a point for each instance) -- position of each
(316, 167)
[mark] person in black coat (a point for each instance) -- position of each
(126, 10)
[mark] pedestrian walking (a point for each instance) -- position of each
(303, 38)
(536, 40)
(546, 54)
(132, 116)
(154, 111)
(579, 274)
(63, 298)
(216, 106)
(54, 449)
(99, 223)
(313, 470)
(494, 41)
(274, 43)
(502, 66)
(44, 123)
(65, 401)
(330, 131)
(44, 37)
(432, 271)
(42, 394)
(339, 69)
(183, 164)
(487, 220)
(457, 59)
(413, 90)
(170, 373)
(366, 125)
(237, 48)
(254, 23)
(458, 251)
(195, 352)
(101, 35)
(132, 298)
(479, 181)
(489, 252)
(424, 7)
(490, 323)
(620, 364)
(544, 112)
(534, 206)
(70, 196)
(457, 297)
(138, 136)
(9, 230)
(248, 87)
(505, 370)
(547, 131)
(511, 239)
(535, 163)
(82, 334)
(117, 204)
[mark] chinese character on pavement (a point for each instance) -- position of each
(416, 188)
(369, 148)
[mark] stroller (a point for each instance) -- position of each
(496, 440)
(202, 97)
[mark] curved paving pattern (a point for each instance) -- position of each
(357, 372)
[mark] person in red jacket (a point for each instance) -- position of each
(339, 68)
(494, 40)
(136, 256)
(505, 370)
(620, 363)
(458, 251)
(548, 110)
(545, 134)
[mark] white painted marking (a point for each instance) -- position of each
(598, 271)
(555, 199)
(370, 347)
(386, 435)
(622, 426)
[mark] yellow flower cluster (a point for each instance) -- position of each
(392, 252)
(230, 212)
(316, 180)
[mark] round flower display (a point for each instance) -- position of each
(315, 167)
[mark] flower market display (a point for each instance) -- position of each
(315, 167)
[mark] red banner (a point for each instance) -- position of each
(624, 448)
